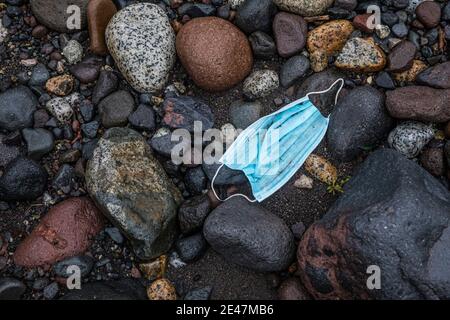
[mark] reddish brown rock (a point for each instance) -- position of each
(215, 53)
(373, 229)
(429, 13)
(99, 12)
(66, 231)
(437, 76)
(291, 290)
(360, 22)
(419, 103)
(402, 56)
(361, 55)
(330, 37)
(60, 85)
(290, 33)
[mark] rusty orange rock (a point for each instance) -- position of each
(215, 53)
(67, 230)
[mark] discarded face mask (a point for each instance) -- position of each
(273, 149)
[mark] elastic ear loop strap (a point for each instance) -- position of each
(254, 200)
(331, 87)
(230, 197)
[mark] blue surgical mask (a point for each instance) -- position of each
(273, 149)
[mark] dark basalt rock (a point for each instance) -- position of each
(394, 215)
(250, 236)
(419, 103)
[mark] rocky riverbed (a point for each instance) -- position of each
(87, 179)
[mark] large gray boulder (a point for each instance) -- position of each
(358, 122)
(132, 189)
(56, 14)
(393, 215)
(145, 58)
(248, 235)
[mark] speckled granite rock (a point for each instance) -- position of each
(54, 15)
(305, 8)
(60, 85)
(361, 55)
(131, 188)
(419, 103)
(23, 179)
(410, 137)
(215, 53)
(261, 83)
(327, 40)
(145, 58)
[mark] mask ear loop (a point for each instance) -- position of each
(230, 197)
(331, 87)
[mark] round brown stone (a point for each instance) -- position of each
(66, 231)
(60, 85)
(215, 53)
